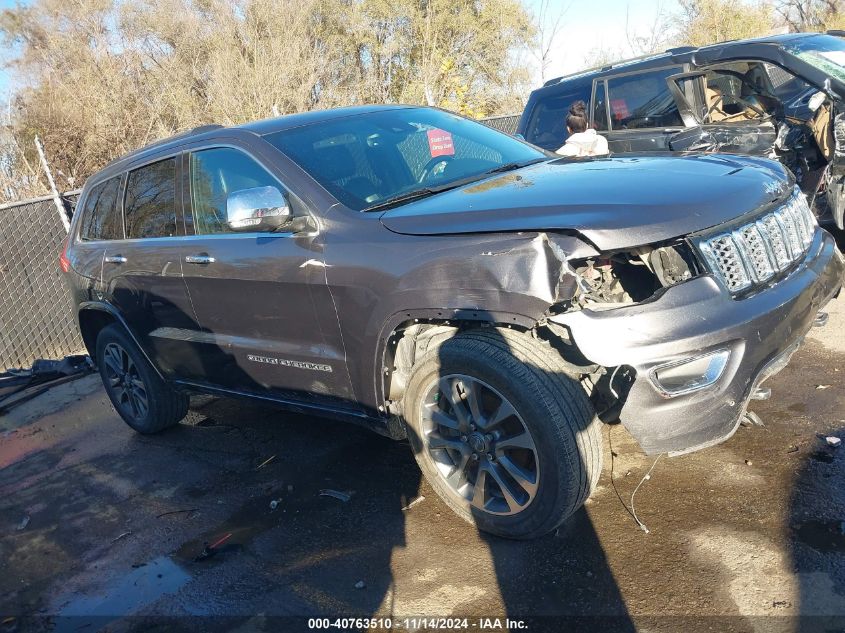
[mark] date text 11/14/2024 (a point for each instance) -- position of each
(417, 623)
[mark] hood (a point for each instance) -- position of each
(615, 203)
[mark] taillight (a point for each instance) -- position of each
(64, 262)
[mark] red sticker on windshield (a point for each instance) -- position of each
(440, 143)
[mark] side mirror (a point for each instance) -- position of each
(257, 209)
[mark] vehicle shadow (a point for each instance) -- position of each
(559, 581)
(816, 530)
(314, 520)
(330, 558)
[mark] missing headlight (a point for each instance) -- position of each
(632, 276)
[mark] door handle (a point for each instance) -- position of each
(199, 259)
(115, 259)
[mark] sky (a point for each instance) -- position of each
(584, 26)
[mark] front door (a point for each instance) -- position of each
(267, 320)
(641, 111)
(724, 111)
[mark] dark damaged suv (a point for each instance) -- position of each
(430, 277)
(781, 97)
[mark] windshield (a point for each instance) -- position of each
(825, 52)
(365, 159)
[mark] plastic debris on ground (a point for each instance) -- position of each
(416, 501)
(337, 494)
(832, 440)
(209, 551)
(19, 385)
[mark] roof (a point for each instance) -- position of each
(258, 128)
(679, 52)
(289, 121)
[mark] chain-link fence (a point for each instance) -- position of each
(506, 123)
(36, 315)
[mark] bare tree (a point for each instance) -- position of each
(547, 22)
(811, 15)
(102, 77)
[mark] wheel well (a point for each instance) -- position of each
(410, 341)
(91, 323)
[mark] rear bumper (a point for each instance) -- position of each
(695, 317)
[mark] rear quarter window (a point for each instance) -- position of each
(150, 206)
(101, 218)
(547, 125)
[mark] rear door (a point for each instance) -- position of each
(100, 222)
(142, 274)
(268, 321)
(641, 112)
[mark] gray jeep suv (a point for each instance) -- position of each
(422, 274)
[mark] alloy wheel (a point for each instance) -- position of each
(479, 444)
(124, 381)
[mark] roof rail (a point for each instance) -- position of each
(610, 66)
(680, 50)
(200, 129)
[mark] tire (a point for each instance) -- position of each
(144, 401)
(549, 474)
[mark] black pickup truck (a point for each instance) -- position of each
(779, 97)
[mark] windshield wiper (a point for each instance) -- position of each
(403, 197)
(424, 192)
(512, 166)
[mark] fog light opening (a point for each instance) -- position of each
(689, 375)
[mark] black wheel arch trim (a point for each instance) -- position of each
(103, 306)
(434, 316)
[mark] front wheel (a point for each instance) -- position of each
(144, 401)
(502, 433)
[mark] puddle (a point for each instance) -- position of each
(137, 589)
(252, 519)
(825, 536)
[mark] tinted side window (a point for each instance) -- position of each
(150, 207)
(547, 125)
(643, 101)
(600, 107)
(216, 173)
(101, 216)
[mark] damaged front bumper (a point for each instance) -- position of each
(696, 318)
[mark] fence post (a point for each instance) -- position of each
(60, 207)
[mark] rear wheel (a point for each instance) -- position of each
(502, 433)
(144, 401)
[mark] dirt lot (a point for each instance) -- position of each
(97, 521)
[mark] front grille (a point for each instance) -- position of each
(753, 253)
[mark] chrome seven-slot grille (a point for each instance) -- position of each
(753, 253)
